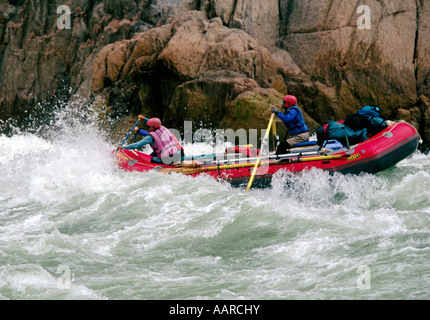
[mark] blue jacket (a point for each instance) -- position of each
(142, 132)
(293, 120)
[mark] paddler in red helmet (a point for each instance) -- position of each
(164, 143)
(295, 123)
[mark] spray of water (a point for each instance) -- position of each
(64, 205)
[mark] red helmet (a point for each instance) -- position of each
(290, 101)
(154, 122)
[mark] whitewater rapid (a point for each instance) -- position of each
(74, 226)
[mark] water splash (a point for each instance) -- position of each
(63, 202)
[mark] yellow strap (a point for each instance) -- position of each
(322, 158)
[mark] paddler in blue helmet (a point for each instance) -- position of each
(295, 123)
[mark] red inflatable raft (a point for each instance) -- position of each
(382, 151)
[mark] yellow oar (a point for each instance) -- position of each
(254, 171)
(188, 171)
(275, 139)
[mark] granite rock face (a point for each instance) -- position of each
(219, 62)
(197, 66)
(385, 64)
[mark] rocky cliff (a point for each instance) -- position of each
(219, 63)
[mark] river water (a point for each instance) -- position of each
(74, 226)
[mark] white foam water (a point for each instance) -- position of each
(74, 226)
